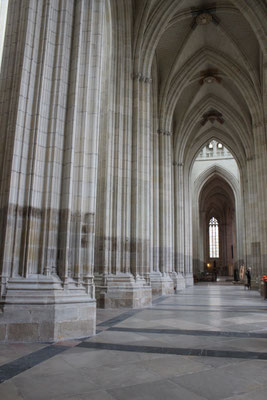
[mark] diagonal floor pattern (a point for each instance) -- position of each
(208, 342)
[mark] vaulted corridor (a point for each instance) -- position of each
(208, 342)
(133, 168)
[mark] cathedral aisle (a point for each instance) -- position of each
(206, 343)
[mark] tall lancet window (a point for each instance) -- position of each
(214, 238)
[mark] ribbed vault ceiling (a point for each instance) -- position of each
(216, 197)
(184, 54)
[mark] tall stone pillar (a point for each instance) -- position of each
(201, 240)
(141, 185)
(252, 238)
(179, 255)
(255, 197)
(259, 247)
(165, 213)
(161, 200)
(262, 146)
(78, 201)
(50, 135)
(116, 285)
(188, 232)
(155, 274)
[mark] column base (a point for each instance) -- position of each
(178, 281)
(162, 285)
(255, 284)
(122, 291)
(40, 309)
(189, 280)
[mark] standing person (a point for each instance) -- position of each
(235, 275)
(248, 275)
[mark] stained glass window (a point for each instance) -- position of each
(214, 238)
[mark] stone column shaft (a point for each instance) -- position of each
(179, 219)
(37, 131)
(166, 239)
(179, 251)
(114, 182)
(140, 254)
(79, 182)
(155, 195)
(188, 232)
(258, 243)
(46, 149)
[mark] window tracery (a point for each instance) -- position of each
(214, 238)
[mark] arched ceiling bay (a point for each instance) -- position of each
(205, 52)
(216, 196)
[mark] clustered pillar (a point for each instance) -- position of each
(51, 81)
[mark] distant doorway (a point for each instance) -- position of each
(216, 197)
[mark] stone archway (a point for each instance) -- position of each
(215, 188)
(217, 200)
(232, 186)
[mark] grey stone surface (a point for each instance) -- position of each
(138, 364)
(96, 395)
(45, 386)
(39, 309)
(259, 394)
(3, 328)
(156, 390)
(25, 332)
(9, 391)
(218, 384)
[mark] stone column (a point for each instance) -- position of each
(198, 235)
(256, 196)
(155, 274)
(47, 251)
(116, 285)
(141, 184)
(262, 146)
(78, 202)
(259, 248)
(165, 214)
(201, 240)
(179, 256)
(252, 236)
(223, 240)
(188, 260)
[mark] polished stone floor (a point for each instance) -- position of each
(208, 342)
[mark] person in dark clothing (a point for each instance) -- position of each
(235, 275)
(248, 275)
